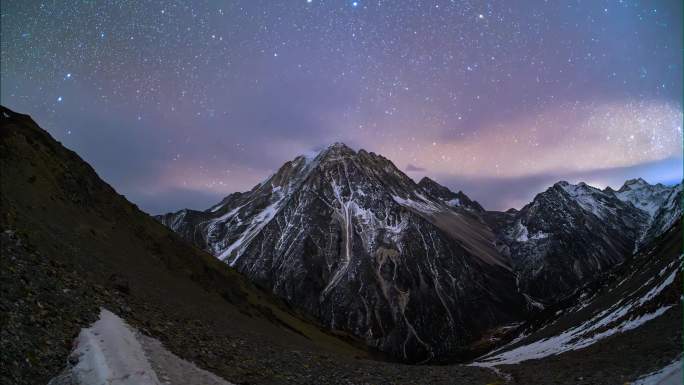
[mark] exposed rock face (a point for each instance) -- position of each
(663, 205)
(566, 236)
(571, 233)
(646, 197)
(354, 241)
(418, 270)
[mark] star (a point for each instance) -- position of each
(399, 74)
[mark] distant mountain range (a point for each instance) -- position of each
(415, 269)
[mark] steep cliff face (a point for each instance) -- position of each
(570, 234)
(663, 205)
(566, 236)
(351, 239)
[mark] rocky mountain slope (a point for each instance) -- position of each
(349, 238)
(569, 234)
(566, 236)
(625, 322)
(666, 216)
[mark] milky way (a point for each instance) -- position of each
(179, 103)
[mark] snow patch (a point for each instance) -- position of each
(572, 339)
(454, 202)
(521, 234)
(669, 375)
(255, 226)
(216, 208)
(111, 352)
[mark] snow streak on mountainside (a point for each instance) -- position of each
(418, 270)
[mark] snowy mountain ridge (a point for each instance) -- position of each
(644, 196)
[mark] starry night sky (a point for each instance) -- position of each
(178, 103)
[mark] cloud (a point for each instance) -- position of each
(412, 168)
(559, 140)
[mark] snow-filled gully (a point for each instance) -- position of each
(344, 211)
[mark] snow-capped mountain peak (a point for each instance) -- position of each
(353, 240)
(644, 196)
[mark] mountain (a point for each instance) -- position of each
(71, 246)
(566, 236)
(666, 216)
(350, 239)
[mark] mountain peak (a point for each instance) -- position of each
(644, 196)
(574, 189)
(458, 199)
(336, 148)
(339, 147)
(632, 184)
